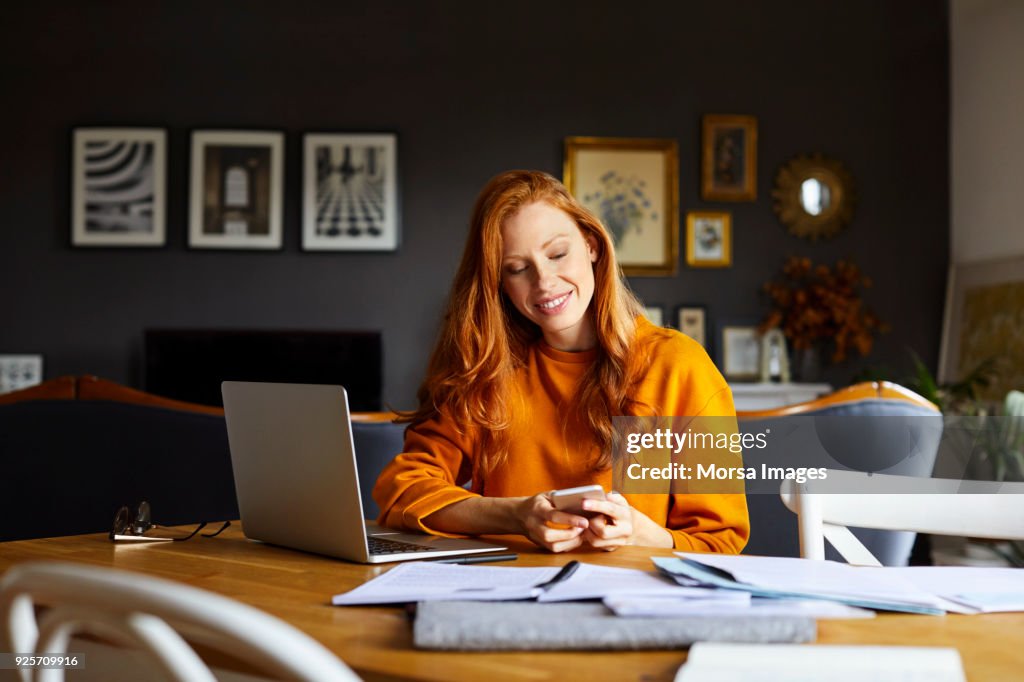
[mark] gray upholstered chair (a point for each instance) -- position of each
(875, 427)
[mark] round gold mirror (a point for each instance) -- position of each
(814, 196)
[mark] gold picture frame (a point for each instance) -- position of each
(632, 185)
(708, 239)
(728, 158)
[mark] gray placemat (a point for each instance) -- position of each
(496, 626)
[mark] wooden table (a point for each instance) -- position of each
(376, 641)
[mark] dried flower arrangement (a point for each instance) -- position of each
(815, 304)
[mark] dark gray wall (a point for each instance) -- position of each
(471, 89)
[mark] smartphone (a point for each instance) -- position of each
(571, 499)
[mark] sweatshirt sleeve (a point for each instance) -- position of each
(425, 478)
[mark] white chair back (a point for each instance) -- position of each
(825, 508)
(152, 615)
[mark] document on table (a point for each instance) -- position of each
(426, 580)
(431, 581)
(709, 661)
(742, 606)
(805, 579)
(591, 581)
(981, 590)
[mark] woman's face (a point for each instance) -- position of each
(547, 272)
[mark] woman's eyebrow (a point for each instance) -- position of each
(542, 246)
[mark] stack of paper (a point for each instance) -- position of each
(776, 577)
(923, 589)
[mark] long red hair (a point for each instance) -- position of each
(484, 340)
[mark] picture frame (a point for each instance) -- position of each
(728, 158)
(632, 185)
(984, 302)
(655, 315)
(20, 371)
(692, 321)
(236, 189)
(118, 187)
(708, 239)
(350, 192)
(741, 353)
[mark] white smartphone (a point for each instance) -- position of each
(571, 499)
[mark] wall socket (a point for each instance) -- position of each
(20, 371)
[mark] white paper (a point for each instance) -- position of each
(426, 580)
(827, 578)
(808, 663)
(640, 606)
(591, 581)
(984, 590)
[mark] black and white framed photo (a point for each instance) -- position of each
(118, 188)
(655, 314)
(20, 371)
(740, 352)
(236, 189)
(350, 192)
(692, 321)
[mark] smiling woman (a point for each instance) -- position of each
(542, 345)
(549, 274)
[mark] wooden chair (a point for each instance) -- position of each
(825, 508)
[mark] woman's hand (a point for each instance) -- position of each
(617, 524)
(554, 530)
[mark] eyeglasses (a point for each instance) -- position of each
(133, 527)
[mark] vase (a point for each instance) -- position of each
(806, 365)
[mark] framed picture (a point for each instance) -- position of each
(655, 315)
(984, 307)
(632, 185)
(741, 353)
(729, 158)
(236, 200)
(708, 239)
(118, 186)
(692, 321)
(20, 371)
(350, 193)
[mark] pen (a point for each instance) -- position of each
(477, 559)
(561, 576)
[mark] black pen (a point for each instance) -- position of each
(560, 577)
(477, 559)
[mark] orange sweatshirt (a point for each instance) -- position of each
(681, 381)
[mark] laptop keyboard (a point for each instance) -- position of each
(381, 546)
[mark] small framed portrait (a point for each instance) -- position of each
(236, 189)
(729, 158)
(655, 315)
(20, 371)
(741, 353)
(708, 239)
(118, 187)
(692, 321)
(632, 185)
(350, 192)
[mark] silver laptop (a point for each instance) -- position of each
(296, 480)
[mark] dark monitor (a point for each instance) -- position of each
(191, 364)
